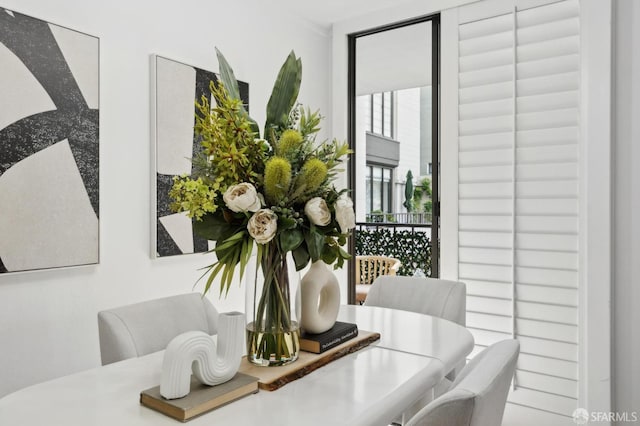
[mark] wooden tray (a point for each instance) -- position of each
(272, 378)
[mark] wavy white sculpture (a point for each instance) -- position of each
(196, 351)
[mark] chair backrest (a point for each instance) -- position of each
(146, 327)
(431, 296)
(479, 393)
(368, 268)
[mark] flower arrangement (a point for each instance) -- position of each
(277, 192)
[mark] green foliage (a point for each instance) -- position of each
(412, 248)
(283, 97)
(423, 190)
(229, 80)
(193, 196)
(286, 169)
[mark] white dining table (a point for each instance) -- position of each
(369, 387)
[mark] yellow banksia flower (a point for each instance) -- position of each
(277, 178)
(313, 174)
(289, 140)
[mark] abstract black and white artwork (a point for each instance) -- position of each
(177, 87)
(49, 123)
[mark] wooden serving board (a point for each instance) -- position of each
(272, 378)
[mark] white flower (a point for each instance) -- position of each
(317, 211)
(263, 226)
(345, 215)
(242, 197)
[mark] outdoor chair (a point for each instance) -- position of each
(368, 268)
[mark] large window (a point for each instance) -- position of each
(380, 119)
(379, 189)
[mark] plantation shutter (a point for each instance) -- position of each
(518, 101)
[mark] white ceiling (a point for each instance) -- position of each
(326, 12)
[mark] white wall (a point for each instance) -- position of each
(626, 157)
(48, 325)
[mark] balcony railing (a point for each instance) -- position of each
(400, 218)
(409, 242)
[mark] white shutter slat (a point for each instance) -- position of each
(543, 294)
(548, 66)
(484, 272)
(547, 119)
(547, 172)
(485, 223)
(556, 367)
(489, 289)
(542, 241)
(546, 312)
(548, 84)
(492, 59)
(487, 92)
(545, 383)
(549, 13)
(487, 109)
(485, 190)
(560, 136)
(484, 27)
(496, 124)
(486, 207)
(487, 256)
(544, 401)
(546, 330)
(486, 158)
(551, 189)
(487, 76)
(548, 102)
(550, 277)
(549, 49)
(486, 43)
(547, 259)
(547, 207)
(485, 174)
(549, 30)
(548, 154)
(481, 142)
(482, 321)
(547, 348)
(547, 225)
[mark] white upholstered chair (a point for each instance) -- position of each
(431, 296)
(479, 393)
(146, 327)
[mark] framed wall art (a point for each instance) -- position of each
(176, 88)
(49, 145)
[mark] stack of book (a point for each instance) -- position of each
(338, 334)
(201, 398)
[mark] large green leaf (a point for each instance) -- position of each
(290, 240)
(284, 94)
(231, 84)
(301, 257)
(315, 243)
(211, 227)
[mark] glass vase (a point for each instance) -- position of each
(273, 331)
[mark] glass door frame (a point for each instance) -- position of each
(435, 132)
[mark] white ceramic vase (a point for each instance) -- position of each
(319, 298)
(195, 351)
